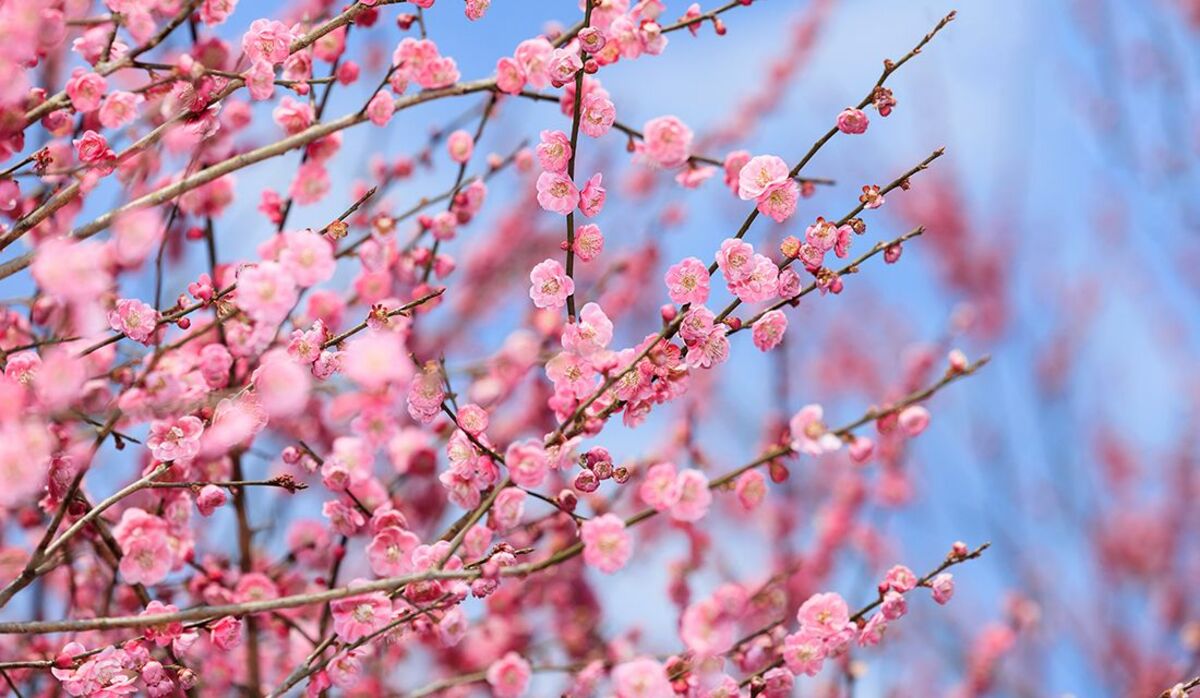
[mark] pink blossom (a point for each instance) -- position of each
(694, 496)
(376, 360)
(852, 120)
(310, 184)
(778, 201)
(668, 141)
(293, 116)
(591, 199)
(210, 498)
(510, 76)
(760, 283)
(534, 57)
(119, 109)
(871, 634)
(589, 242)
(282, 384)
(824, 616)
(606, 544)
(590, 333)
(380, 108)
(598, 114)
(769, 330)
(734, 259)
(733, 164)
(267, 40)
(260, 80)
(137, 320)
(687, 281)
(175, 439)
(307, 258)
(266, 291)
(556, 193)
(226, 633)
(358, 616)
(759, 174)
(642, 678)
(85, 90)
(509, 676)
(809, 433)
(92, 149)
(571, 374)
(900, 578)
(145, 543)
(803, 654)
(913, 419)
(660, 488)
(553, 152)
(460, 145)
(549, 285)
(563, 66)
(894, 606)
(943, 587)
(508, 508)
(751, 489)
(390, 551)
(527, 464)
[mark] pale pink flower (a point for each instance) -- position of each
(509, 676)
(260, 80)
(694, 496)
(871, 634)
(390, 551)
(733, 164)
(779, 200)
(900, 578)
(145, 544)
(852, 120)
(267, 40)
(589, 242)
(564, 64)
(660, 488)
(760, 283)
(751, 489)
(136, 319)
(527, 463)
(509, 508)
(591, 198)
(824, 616)
(377, 359)
(571, 373)
(554, 151)
(809, 433)
(943, 587)
(556, 193)
(735, 259)
(687, 281)
(266, 291)
(358, 616)
(460, 145)
(668, 141)
(282, 384)
(310, 184)
(119, 109)
(307, 257)
(590, 333)
(642, 678)
(549, 285)
(534, 58)
(598, 114)
(706, 628)
(175, 439)
(380, 108)
(803, 653)
(758, 174)
(606, 544)
(894, 606)
(913, 419)
(293, 116)
(769, 330)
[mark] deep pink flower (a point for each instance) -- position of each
(852, 120)
(358, 616)
(136, 319)
(769, 330)
(85, 90)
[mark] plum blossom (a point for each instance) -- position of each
(136, 319)
(606, 543)
(175, 439)
(809, 433)
(549, 285)
(687, 281)
(509, 676)
(667, 143)
(853, 121)
(358, 616)
(769, 330)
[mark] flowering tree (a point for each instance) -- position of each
(374, 452)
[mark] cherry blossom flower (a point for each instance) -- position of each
(852, 121)
(687, 281)
(943, 587)
(136, 319)
(606, 544)
(460, 145)
(175, 439)
(527, 464)
(147, 555)
(758, 174)
(509, 676)
(267, 40)
(556, 193)
(266, 291)
(694, 496)
(549, 285)
(592, 197)
(913, 419)
(641, 678)
(769, 330)
(668, 142)
(590, 334)
(380, 108)
(390, 551)
(358, 616)
(809, 433)
(598, 114)
(85, 90)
